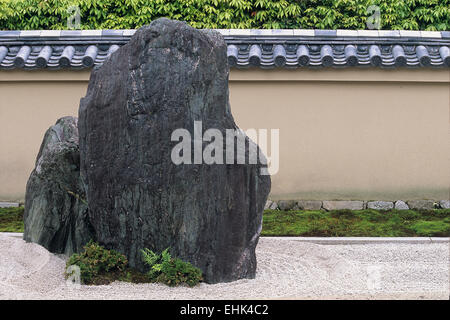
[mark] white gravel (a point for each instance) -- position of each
(286, 270)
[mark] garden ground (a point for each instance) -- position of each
(287, 269)
(339, 223)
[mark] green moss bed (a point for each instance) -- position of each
(339, 223)
(358, 223)
(11, 219)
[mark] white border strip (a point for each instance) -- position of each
(364, 240)
(334, 240)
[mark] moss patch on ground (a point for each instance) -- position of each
(11, 219)
(358, 223)
(339, 223)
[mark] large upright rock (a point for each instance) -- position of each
(55, 210)
(166, 77)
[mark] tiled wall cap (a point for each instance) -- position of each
(445, 34)
(106, 33)
(368, 33)
(129, 32)
(246, 47)
(324, 33)
(92, 33)
(388, 33)
(240, 32)
(409, 33)
(70, 33)
(30, 33)
(347, 33)
(430, 34)
(303, 32)
(9, 34)
(50, 33)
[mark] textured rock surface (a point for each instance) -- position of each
(55, 210)
(309, 204)
(401, 205)
(421, 204)
(380, 205)
(274, 206)
(268, 204)
(166, 77)
(343, 204)
(444, 204)
(286, 205)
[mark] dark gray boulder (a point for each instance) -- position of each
(166, 77)
(55, 210)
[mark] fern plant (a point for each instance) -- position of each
(151, 259)
(168, 270)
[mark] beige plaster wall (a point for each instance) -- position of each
(344, 133)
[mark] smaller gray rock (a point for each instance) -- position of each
(401, 205)
(56, 214)
(273, 206)
(286, 205)
(444, 204)
(343, 204)
(421, 204)
(380, 205)
(268, 204)
(309, 204)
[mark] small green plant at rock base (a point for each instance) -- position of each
(97, 264)
(170, 271)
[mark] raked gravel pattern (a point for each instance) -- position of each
(286, 270)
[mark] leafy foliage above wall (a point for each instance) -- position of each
(258, 14)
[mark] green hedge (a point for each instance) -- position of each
(267, 14)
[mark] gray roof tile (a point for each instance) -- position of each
(92, 33)
(279, 54)
(303, 56)
(410, 33)
(30, 33)
(254, 55)
(288, 48)
(423, 56)
(129, 32)
(44, 56)
(50, 33)
(9, 34)
(303, 32)
(347, 33)
(375, 56)
(325, 33)
(388, 33)
(70, 33)
(430, 34)
(444, 53)
(351, 56)
(445, 34)
(368, 33)
(112, 33)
